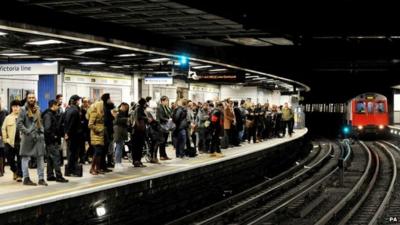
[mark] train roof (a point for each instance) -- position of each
(369, 96)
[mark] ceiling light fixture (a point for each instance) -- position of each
(278, 41)
(56, 59)
(91, 49)
(201, 67)
(13, 54)
(158, 60)
(91, 63)
(217, 70)
(126, 55)
(116, 67)
(45, 42)
(3, 34)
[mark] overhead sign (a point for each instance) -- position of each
(232, 78)
(29, 68)
(158, 80)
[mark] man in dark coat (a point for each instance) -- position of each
(109, 131)
(30, 125)
(236, 138)
(53, 141)
(73, 134)
(163, 117)
(139, 118)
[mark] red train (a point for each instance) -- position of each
(368, 114)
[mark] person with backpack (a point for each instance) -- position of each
(53, 140)
(179, 117)
(287, 118)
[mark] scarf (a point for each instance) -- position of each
(34, 113)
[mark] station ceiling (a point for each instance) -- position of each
(340, 48)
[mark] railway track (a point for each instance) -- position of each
(263, 200)
(315, 192)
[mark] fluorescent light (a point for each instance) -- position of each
(367, 37)
(3, 34)
(260, 78)
(45, 42)
(91, 49)
(158, 60)
(56, 59)
(201, 67)
(91, 63)
(217, 70)
(126, 55)
(13, 54)
(249, 42)
(278, 41)
(26, 57)
(116, 67)
(253, 76)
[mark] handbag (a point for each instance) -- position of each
(249, 123)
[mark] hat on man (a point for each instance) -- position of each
(74, 98)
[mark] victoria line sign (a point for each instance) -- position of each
(35, 68)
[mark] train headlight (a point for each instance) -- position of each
(360, 127)
(381, 127)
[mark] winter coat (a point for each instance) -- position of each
(202, 117)
(180, 119)
(50, 124)
(121, 127)
(32, 136)
(163, 114)
(229, 117)
(9, 129)
(287, 114)
(96, 124)
(72, 125)
(239, 118)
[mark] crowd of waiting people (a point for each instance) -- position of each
(98, 132)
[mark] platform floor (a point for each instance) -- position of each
(14, 196)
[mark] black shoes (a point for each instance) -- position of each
(61, 180)
(51, 178)
(58, 179)
(27, 181)
(42, 182)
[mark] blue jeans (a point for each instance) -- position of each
(241, 133)
(180, 143)
(40, 166)
(119, 148)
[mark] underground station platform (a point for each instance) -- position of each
(155, 194)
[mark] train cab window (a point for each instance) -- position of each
(360, 107)
(370, 107)
(380, 107)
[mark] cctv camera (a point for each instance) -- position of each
(195, 77)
